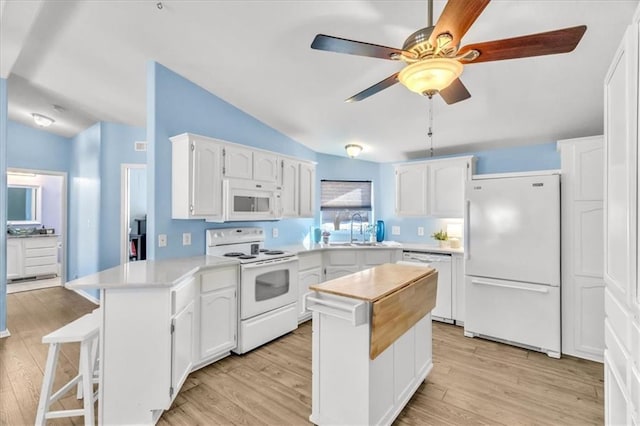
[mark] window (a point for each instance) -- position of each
(340, 200)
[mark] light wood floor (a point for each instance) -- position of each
(473, 381)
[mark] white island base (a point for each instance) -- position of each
(348, 387)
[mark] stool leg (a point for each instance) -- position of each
(47, 383)
(87, 381)
(81, 368)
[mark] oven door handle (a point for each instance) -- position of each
(270, 262)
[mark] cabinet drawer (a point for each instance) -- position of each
(40, 242)
(39, 252)
(309, 261)
(342, 257)
(32, 271)
(41, 261)
(182, 295)
(619, 358)
(219, 278)
(618, 315)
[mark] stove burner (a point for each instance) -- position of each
(246, 256)
(234, 254)
(273, 252)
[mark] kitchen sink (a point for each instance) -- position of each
(339, 244)
(355, 244)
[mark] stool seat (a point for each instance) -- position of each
(85, 330)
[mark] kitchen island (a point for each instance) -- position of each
(371, 343)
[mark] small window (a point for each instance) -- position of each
(341, 199)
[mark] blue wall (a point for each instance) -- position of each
(30, 148)
(176, 105)
(3, 204)
(116, 148)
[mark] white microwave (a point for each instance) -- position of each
(251, 200)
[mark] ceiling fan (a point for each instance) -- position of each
(435, 60)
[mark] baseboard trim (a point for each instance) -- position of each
(4, 333)
(90, 298)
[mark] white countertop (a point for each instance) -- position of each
(31, 235)
(305, 248)
(149, 273)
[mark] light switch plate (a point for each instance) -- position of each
(274, 232)
(186, 239)
(395, 230)
(420, 231)
(162, 240)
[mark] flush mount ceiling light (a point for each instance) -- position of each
(42, 120)
(353, 150)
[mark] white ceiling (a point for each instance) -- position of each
(90, 58)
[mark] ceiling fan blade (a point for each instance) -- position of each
(457, 17)
(549, 43)
(352, 47)
(455, 92)
(387, 82)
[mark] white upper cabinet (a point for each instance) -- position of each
(307, 189)
(238, 162)
(432, 188)
(411, 190)
(446, 182)
(290, 185)
(265, 166)
(246, 163)
(196, 178)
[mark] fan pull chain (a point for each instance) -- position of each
(430, 132)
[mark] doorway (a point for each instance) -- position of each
(37, 227)
(133, 212)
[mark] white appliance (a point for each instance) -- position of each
(442, 263)
(512, 259)
(268, 285)
(251, 200)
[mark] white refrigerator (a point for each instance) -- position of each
(512, 259)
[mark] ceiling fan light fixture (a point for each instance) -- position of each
(430, 75)
(353, 150)
(42, 120)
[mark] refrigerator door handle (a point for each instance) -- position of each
(517, 287)
(467, 233)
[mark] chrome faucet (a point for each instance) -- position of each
(352, 217)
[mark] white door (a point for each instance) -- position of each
(307, 278)
(446, 187)
(238, 162)
(182, 346)
(265, 167)
(307, 190)
(218, 321)
(411, 190)
(622, 331)
(289, 177)
(206, 196)
(514, 229)
(14, 258)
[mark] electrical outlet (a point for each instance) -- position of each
(162, 240)
(420, 231)
(395, 230)
(274, 232)
(186, 239)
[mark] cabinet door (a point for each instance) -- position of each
(14, 258)
(289, 181)
(333, 272)
(206, 180)
(307, 278)
(447, 180)
(307, 190)
(218, 322)
(265, 167)
(238, 162)
(373, 257)
(182, 346)
(411, 190)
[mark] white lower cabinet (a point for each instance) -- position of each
(340, 262)
(218, 313)
(32, 257)
(182, 341)
(309, 273)
(14, 258)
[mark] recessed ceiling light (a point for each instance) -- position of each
(42, 120)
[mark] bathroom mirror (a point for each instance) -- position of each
(23, 204)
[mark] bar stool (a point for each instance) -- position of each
(86, 331)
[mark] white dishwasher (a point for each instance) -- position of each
(441, 262)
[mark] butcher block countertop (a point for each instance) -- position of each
(375, 283)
